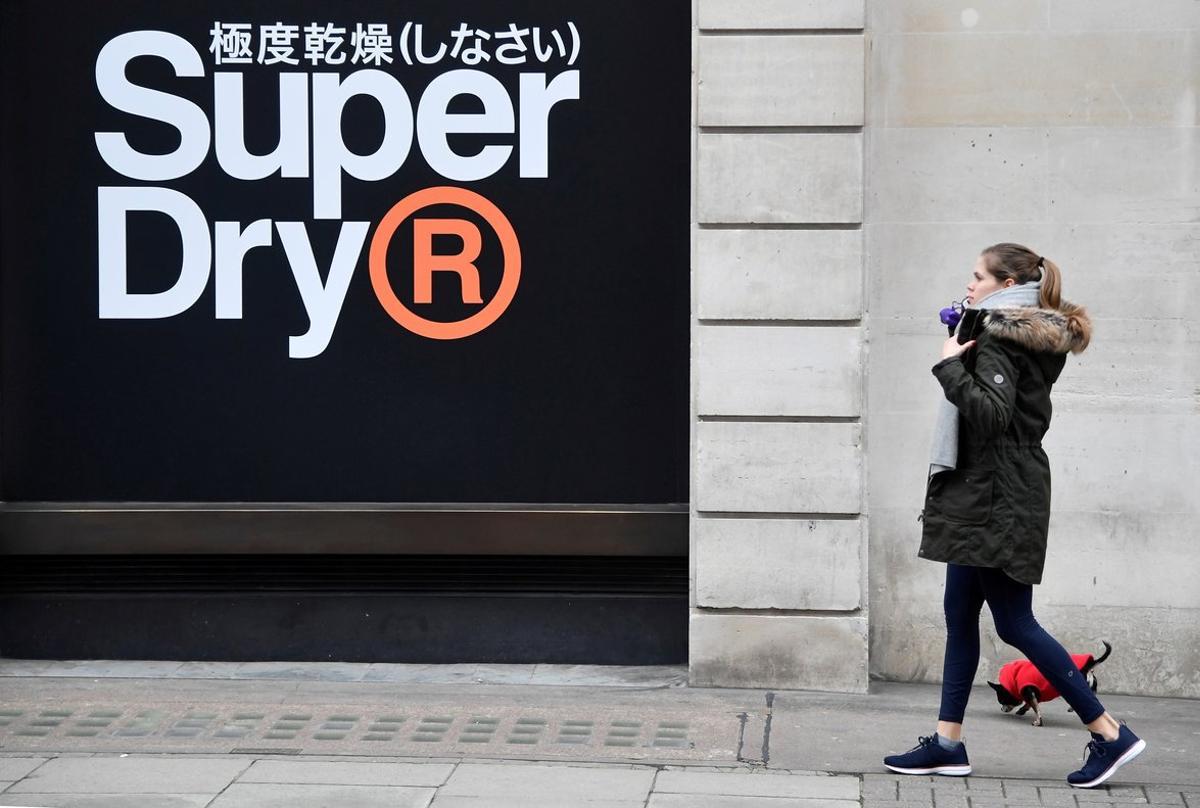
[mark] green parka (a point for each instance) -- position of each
(993, 509)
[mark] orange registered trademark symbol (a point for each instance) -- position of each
(425, 262)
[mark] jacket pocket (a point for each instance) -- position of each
(963, 495)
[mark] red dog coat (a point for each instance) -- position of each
(1022, 673)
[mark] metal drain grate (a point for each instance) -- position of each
(312, 730)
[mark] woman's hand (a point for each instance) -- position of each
(951, 347)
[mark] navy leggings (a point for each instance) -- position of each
(1011, 603)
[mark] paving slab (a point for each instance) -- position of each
(298, 671)
(429, 775)
(504, 674)
(452, 674)
(26, 667)
(131, 668)
(900, 791)
(106, 800)
(532, 802)
(262, 795)
(601, 675)
(130, 775)
(829, 790)
(449, 674)
(95, 688)
(568, 784)
(14, 768)
(186, 670)
(726, 801)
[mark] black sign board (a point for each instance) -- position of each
(352, 251)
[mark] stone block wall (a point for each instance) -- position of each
(778, 533)
(1070, 126)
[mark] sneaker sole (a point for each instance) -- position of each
(948, 771)
(1129, 755)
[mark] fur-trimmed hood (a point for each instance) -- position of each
(1058, 331)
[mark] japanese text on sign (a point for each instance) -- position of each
(326, 43)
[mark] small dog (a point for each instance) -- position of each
(1023, 685)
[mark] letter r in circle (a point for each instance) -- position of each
(425, 262)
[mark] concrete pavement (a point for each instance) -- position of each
(201, 781)
(226, 782)
(106, 734)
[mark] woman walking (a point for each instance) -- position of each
(987, 509)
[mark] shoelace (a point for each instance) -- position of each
(922, 742)
(1094, 746)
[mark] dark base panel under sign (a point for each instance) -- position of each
(356, 609)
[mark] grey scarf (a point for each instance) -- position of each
(944, 454)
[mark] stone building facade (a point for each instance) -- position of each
(851, 159)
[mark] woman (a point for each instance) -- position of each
(987, 509)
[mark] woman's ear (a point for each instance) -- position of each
(1009, 282)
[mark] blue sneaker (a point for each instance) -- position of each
(928, 757)
(1103, 758)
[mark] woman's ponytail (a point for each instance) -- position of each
(1051, 295)
(1023, 265)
